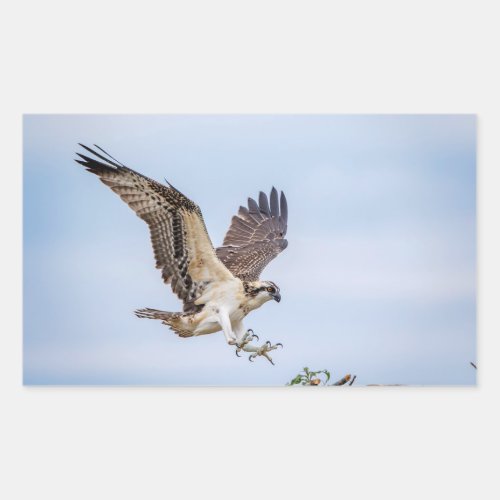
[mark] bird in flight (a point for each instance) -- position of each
(218, 287)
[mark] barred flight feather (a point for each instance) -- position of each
(178, 233)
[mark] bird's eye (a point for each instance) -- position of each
(270, 289)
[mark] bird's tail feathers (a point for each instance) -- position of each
(155, 314)
(173, 320)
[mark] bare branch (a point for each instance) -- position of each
(343, 380)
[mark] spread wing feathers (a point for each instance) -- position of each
(256, 236)
(182, 247)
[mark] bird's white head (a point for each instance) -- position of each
(260, 292)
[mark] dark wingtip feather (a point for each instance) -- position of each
(284, 207)
(275, 209)
(107, 154)
(252, 205)
(107, 161)
(264, 203)
(86, 158)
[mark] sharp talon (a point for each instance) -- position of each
(255, 336)
(279, 344)
(250, 358)
(236, 352)
(250, 330)
(268, 343)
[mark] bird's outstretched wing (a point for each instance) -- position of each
(256, 236)
(182, 247)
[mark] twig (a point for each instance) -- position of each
(343, 380)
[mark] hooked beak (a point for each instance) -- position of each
(277, 297)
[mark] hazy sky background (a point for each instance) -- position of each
(378, 280)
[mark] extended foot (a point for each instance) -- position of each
(263, 350)
(241, 343)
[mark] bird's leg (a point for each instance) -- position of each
(242, 337)
(262, 350)
(225, 324)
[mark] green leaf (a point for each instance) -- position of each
(296, 380)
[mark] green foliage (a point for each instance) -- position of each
(307, 377)
(320, 377)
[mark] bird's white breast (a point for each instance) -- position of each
(227, 297)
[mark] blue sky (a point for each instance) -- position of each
(378, 280)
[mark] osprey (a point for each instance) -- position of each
(218, 287)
